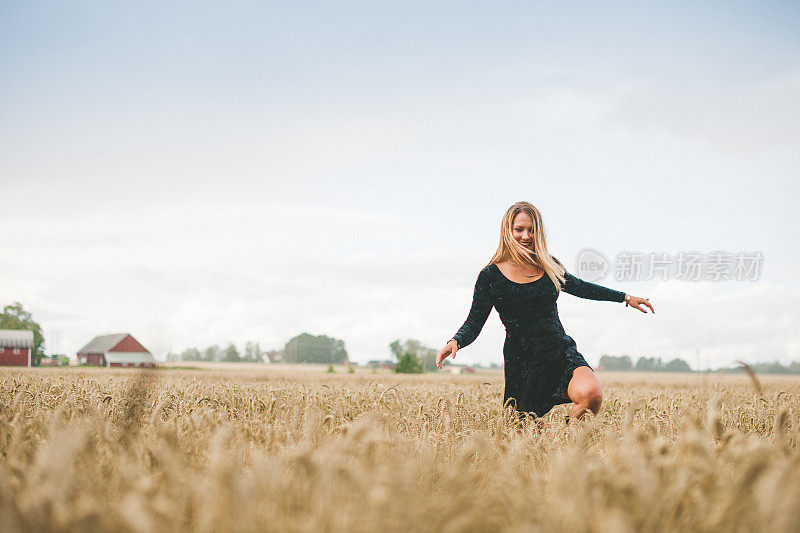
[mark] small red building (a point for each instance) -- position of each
(15, 347)
(118, 350)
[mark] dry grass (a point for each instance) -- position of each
(227, 450)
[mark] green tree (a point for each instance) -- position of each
(231, 354)
(191, 354)
(15, 317)
(427, 356)
(771, 368)
(397, 349)
(212, 353)
(253, 353)
(649, 364)
(677, 365)
(428, 359)
(408, 364)
(610, 362)
(307, 348)
(276, 356)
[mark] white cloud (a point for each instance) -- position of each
(741, 120)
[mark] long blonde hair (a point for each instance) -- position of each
(510, 250)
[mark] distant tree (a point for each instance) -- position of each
(765, 368)
(408, 364)
(253, 353)
(307, 348)
(649, 364)
(215, 353)
(231, 354)
(212, 353)
(276, 356)
(772, 368)
(15, 317)
(677, 365)
(172, 357)
(191, 354)
(610, 362)
(427, 356)
(397, 349)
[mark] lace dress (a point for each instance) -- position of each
(539, 356)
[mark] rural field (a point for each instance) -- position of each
(293, 450)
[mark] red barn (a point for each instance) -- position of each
(15, 347)
(119, 349)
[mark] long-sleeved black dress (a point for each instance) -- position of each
(539, 355)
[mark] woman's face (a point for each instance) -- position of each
(522, 230)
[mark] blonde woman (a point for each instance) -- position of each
(543, 367)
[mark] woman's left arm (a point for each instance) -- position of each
(591, 291)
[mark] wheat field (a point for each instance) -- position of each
(249, 450)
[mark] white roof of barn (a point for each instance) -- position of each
(103, 343)
(129, 357)
(16, 338)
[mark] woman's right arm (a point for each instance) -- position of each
(481, 307)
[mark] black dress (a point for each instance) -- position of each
(539, 356)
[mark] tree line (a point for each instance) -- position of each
(652, 364)
(643, 364)
(765, 368)
(229, 354)
(304, 348)
(411, 355)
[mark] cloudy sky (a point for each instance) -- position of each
(232, 171)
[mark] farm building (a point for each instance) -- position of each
(15, 347)
(119, 349)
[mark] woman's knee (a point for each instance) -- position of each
(595, 398)
(585, 390)
(591, 395)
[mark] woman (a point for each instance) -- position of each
(543, 367)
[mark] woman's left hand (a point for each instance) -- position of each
(640, 303)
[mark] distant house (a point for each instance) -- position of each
(461, 369)
(15, 347)
(118, 350)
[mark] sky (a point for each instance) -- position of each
(205, 173)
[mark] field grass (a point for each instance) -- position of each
(293, 450)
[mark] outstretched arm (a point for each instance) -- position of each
(591, 291)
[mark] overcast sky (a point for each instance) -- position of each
(201, 173)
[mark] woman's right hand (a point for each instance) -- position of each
(450, 349)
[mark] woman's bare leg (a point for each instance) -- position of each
(585, 391)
